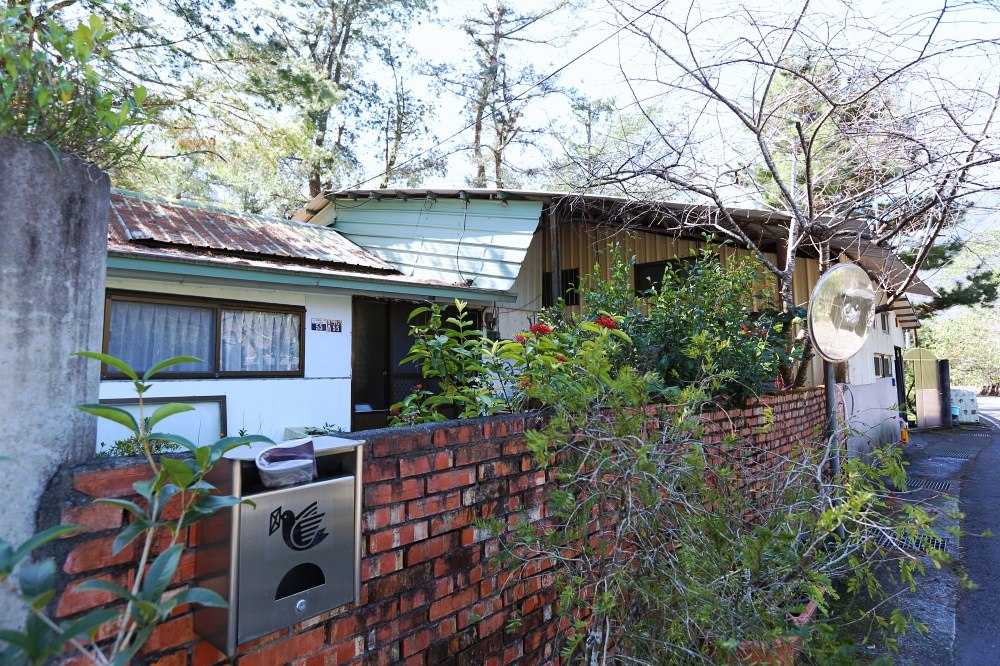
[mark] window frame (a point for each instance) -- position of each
(570, 287)
(218, 305)
(682, 265)
(883, 366)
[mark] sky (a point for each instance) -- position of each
(591, 48)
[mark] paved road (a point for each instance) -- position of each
(977, 625)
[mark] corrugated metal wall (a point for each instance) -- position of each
(478, 242)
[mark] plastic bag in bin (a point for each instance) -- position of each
(287, 464)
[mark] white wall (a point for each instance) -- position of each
(261, 406)
(872, 415)
(870, 401)
(513, 317)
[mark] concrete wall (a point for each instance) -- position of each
(260, 406)
(53, 222)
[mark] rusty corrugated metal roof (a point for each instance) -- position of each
(147, 221)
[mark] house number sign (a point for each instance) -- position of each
(326, 325)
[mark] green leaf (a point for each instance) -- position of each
(176, 439)
(7, 561)
(131, 532)
(86, 625)
(113, 361)
(205, 507)
(178, 471)
(112, 414)
(144, 488)
(131, 507)
(139, 95)
(41, 539)
(175, 360)
(169, 409)
(201, 596)
(124, 658)
(117, 591)
(37, 581)
(160, 573)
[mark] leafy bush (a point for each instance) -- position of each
(709, 324)
(663, 549)
(177, 483)
(51, 90)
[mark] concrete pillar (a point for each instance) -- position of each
(53, 249)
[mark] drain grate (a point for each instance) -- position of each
(918, 544)
(929, 484)
(961, 455)
(976, 434)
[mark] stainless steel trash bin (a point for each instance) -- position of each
(293, 555)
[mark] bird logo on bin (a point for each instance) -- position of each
(302, 531)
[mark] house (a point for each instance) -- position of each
(296, 325)
(305, 322)
(435, 232)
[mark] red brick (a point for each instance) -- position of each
(417, 642)
(455, 478)
(389, 492)
(432, 504)
(431, 548)
(380, 470)
(383, 516)
(206, 654)
(111, 482)
(457, 560)
(424, 464)
(75, 601)
(452, 435)
(171, 634)
(452, 520)
(477, 453)
(397, 536)
(396, 444)
(451, 604)
(491, 470)
(94, 517)
(286, 650)
(175, 659)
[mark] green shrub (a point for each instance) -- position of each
(51, 89)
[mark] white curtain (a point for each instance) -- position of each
(259, 341)
(143, 334)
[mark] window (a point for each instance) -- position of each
(232, 338)
(884, 320)
(883, 365)
(650, 275)
(570, 284)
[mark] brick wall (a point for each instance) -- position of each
(429, 595)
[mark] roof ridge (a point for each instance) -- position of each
(142, 196)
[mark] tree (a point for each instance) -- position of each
(976, 283)
(497, 90)
(967, 338)
(861, 133)
(317, 60)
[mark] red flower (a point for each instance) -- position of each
(606, 322)
(744, 330)
(762, 332)
(419, 387)
(560, 358)
(394, 411)
(540, 329)
(521, 337)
